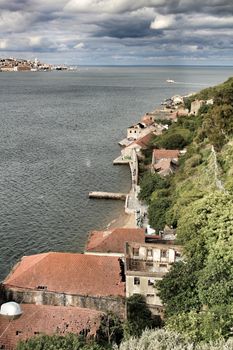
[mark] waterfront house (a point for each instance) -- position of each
(68, 279)
(137, 146)
(144, 265)
(112, 242)
(148, 119)
(135, 131)
(49, 320)
(165, 161)
(177, 100)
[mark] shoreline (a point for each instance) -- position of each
(124, 221)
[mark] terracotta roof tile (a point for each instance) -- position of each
(47, 319)
(113, 241)
(165, 153)
(144, 141)
(69, 273)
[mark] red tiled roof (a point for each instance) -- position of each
(69, 273)
(165, 153)
(144, 141)
(47, 319)
(113, 241)
(164, 166)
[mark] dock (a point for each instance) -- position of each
(121, 160)
(108, 195)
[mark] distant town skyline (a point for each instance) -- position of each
(118, 32)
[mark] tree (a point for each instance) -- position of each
(139, 317)
(157, 212)
(207, 326)
(162, 339)
(149, 183)
(218, 124)
(57, 342)
(111, 329)
(173, 141)
(215, 283)
(204, 222)
(178, 288)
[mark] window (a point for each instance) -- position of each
(149, 263)
(136, 281)
(36, 333)
(150, 298)
(163, 253)
(149, 252)
(162, 265)
(42, 287)
(18, 332)
(136, 251)
(151, 281)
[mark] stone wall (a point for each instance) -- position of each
(44, 297)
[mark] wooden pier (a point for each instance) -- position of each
(108, 195)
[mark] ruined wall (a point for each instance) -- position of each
(43, 297)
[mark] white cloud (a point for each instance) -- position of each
(14, 20)
(111, 6)
(34, 40)
(79, 46)
(162, 22)
(3, 44)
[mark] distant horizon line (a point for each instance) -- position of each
(146, 65)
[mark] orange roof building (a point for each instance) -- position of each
(159, 154)
(47, 319)
(68, 273)
(89, 281)
(113, 241)
(165, 161)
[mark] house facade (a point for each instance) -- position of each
(144, 265)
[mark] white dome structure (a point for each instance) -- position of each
(11, 309)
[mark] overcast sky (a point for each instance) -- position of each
(134, 32)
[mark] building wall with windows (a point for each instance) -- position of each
(144, 285)
(144, 265)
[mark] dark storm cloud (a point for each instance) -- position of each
(109, 30)
(120, 28)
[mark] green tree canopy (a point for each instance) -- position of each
(178, 289)
(57, 342)
(150, 183)
(139, 317)
(173, 141)
(157, 212)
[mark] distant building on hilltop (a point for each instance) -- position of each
(196, 105)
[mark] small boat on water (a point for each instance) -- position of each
(170, 81)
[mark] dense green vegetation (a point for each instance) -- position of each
(198, 201)
(161, 339)
(56, 342)
(139, 317)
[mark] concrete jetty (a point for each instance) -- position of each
(121, 160)
(108, 195)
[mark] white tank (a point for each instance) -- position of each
(10, 309)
